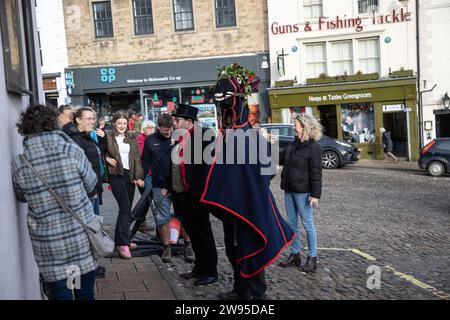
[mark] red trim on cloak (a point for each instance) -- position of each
(202, 199)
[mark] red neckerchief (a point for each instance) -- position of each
(183, 168)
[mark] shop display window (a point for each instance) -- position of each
(198, 95)
(358, 122)
(160, 101)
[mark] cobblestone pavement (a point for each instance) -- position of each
(393, 216)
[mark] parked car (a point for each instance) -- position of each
(435, 157)
(335, 153)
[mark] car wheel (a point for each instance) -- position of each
(436, 168)
(330, 160)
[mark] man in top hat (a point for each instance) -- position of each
(186, 183)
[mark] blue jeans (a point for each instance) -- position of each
(297, 203)
(96, 205)
(148, 182)
(162, 207)
(58, 290)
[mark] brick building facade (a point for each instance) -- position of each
(165, 43)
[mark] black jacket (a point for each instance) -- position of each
(156, 155)
(90, 148)
(387, 141)
(302, 171)
(195, 172)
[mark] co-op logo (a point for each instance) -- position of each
(108, 75)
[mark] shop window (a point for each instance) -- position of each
(183, 15)
(358, 122)
(103, 23)
(143, 17)
(198, 95)
(369, 55)
(225, 13)
(316, 61)
(312, 8)
(160, 101)
(203, 99)
(342, 57)
(367, 6)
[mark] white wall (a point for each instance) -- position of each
(435, 57)
(400, 52)
(18, 270)
(50, 22)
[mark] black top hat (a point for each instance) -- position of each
(186, 111)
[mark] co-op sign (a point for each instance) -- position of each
(335, 97)
(109, 75)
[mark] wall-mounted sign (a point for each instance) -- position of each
(387, 40)
(107, 75)
(344, 96)
(153, 79)
(338, 22)
(69, 82)
(294, 49)
(393, 107)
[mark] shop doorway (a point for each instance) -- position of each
(328, 119)
(125, 101)
(443, 125)
(395, 123)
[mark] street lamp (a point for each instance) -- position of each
(446, 101)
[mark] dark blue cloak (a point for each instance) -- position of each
(242, 191)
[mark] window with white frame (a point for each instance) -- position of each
(342, 57)
(369, 55)
(316, 61)
(183, 15)
(367, 6)
(312, 8)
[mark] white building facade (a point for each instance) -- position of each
(353, 62)
(50, 20)
(20, 85)
(434, 75)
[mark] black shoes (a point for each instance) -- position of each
(293, 260)
(203, 281)
(233, 295)
(190, 275)
(100, 272)
(310, 265)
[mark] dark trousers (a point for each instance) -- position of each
(255, 286)
(142, 218)
(58, 290)
(195, 219)
(123, 191)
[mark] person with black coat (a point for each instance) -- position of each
(387, 145)
(84, 120)
(186, 184)
(156, 156)
(301, 179)
(78, 124)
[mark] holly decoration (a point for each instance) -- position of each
(246, 75)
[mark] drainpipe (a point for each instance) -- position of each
(419, 97)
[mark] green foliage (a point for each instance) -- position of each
(246, 75)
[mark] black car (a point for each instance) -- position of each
(435, 157)
(336, 153)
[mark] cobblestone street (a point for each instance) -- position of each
(390, 215)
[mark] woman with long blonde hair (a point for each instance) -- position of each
(301, 179)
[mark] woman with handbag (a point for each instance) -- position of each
(301, 180)
(125, 173)
(60, 244)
